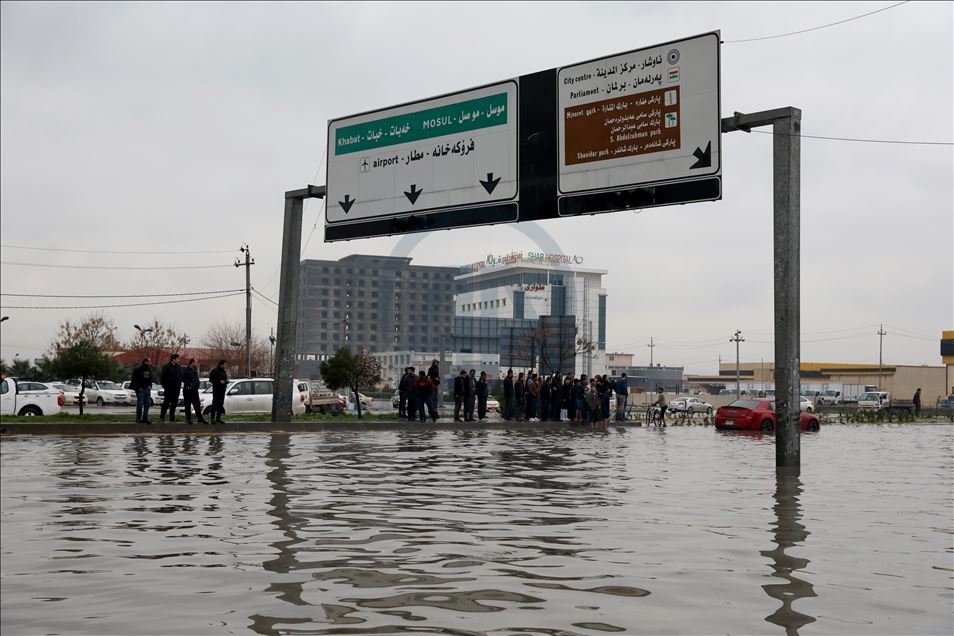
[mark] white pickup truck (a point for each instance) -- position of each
(13, 401)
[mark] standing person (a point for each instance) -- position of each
(520, 394)
(546, 390)
(663, 404)
(190, 392)
(403, 387)
(605, 388)
(141, 383)
(565, 412)
(434, 373)
(171, 379)
(591, 401)
(579, 388)
(411, 396)
(424, 388)
(482, 396)
(508, 395)
(459, 394)
(470, 395)
(556, 398)
(534, 398)
(917, 402)
(219, 378)
(622, 394)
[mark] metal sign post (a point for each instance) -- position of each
(786, 178)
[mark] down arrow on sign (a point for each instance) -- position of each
(490, 184)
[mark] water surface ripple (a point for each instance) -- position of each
(675, 531)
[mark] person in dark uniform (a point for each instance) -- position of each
(459, 394)
(171, 379)
(482, 396)
(404, 390)
(917, 401)
(219, 378)
(470, 395)
(508, 395)
(141, 383)
(190, 392)
(412, 396)
(434, 373)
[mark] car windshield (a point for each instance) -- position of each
(832, 393)
(745, 404)
(868, 396)
(62, 387)
(109, 386)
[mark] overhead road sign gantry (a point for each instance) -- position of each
(449, 152)
(631, 130)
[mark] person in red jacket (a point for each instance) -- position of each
(424, 390)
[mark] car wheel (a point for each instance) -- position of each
(766, 426)
(99, 401)
(809, 410)
(207, 411)
(709, 411)
(30, 411)
(813, 425)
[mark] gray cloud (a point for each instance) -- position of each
(179, 126)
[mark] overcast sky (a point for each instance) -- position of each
(178, 126)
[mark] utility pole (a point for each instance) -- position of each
(881, 334)
(737, 339)
(249, 261)
(651, 345)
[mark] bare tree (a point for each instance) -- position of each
(559, 342)
(157, 341)
(218, 341)
(97, 330)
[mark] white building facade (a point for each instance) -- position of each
(525, 286)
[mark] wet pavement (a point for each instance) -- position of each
(636, 530)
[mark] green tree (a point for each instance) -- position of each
(348, 370)
(84, 361)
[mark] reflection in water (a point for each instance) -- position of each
(475, 532)
(789, 532)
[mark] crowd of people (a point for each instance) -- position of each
(531, 397)
(528, 397)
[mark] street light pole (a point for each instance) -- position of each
(737, 340)
(881, 334)
(249, 261)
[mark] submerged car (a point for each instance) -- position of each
(757, 415)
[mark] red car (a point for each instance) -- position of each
(757, 414)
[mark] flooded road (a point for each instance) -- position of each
(638, 531)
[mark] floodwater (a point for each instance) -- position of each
(637, 531)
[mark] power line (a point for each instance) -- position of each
(201, 293)
(265, 297)
(823, 26)
(109, 266)
(859, 140)
(161, 302)
(129, 253)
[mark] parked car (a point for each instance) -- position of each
(946, 403)
(156, 393)
(396, 400)
(755, 414)
(253, 396)
(27, 399)
(493, 406)
(102, 392)
(71, 394)
(805, 404)
(690, 405)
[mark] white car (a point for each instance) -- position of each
(71, 394)
(254, 396)
(27, 399)
(493, 406)
(804, 404)
(156, 393)
(691, 405)
(103, 392)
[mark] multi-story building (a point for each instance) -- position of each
(532, 309)
(373, 303)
